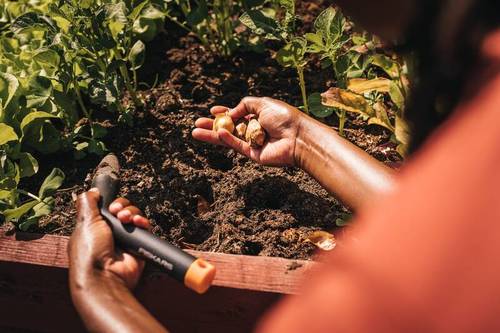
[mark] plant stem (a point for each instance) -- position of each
(128, 85)
(80, 100)
(302, 84)
(32, 196)
(134, 77)
(342, 119)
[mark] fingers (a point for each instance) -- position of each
(215, 110)
(248, 105)
(240, 146)
(128, 213)
(87, 206)
(206, 135)
(205, 123)
(118, 205)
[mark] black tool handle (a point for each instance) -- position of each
(139, 241)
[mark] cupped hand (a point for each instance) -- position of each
(92, 251)
(281, 122)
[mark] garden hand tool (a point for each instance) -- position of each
(195, 273)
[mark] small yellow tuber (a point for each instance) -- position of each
(223, 120)
(241, 130)
(255, 134)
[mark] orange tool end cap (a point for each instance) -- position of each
(199, 276)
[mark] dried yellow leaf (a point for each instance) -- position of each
(322, 239)
(362, 86)
(346, 100)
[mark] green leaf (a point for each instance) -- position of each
(39, 210)
(47, 57)
(397, 95)
(42, 136)
(32, 19)
(260, 24)
(317, 42)
(253, 3)
(390, 66)
(292, 54)
(318, 109)
(51, 183)
(80, 150)
(35, 117)
(198, 14)
(402, 131)
(148, 24)
(137, 54)
(98, 131)
(152, 13)
(117, 18)
(28, 165)
(97, 147)
(330, 23)
(18, 212)
(8, 88)
(104, 93)
(7, 134)
(137, 10)
(40, 86)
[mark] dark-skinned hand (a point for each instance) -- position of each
(280, 120)
(92, 249)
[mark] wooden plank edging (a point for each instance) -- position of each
(267, 274)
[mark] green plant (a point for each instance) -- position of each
(360, 86)
(60, 61)
(376, 97)
(328, 41)
(213, 22)
(294, 52)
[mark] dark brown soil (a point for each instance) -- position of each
(209, 198)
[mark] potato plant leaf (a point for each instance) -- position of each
(317, 108)
(381, 118)
(9, 85)
(292, 54)
(323, 240)
(137, 54)
(346, 100)
(402, 131)
(7, 134)
(18, 212)
(53, 181)
(390, 66)
(34, 117)
(361, 86)
(397, 95)
(28, 165)
(260, 24)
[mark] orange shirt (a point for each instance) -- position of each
(427, 257)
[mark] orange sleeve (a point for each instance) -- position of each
(426, 257)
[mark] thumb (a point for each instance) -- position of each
(240, 146)
(87, 207)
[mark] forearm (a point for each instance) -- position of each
(106, 305)
(343, 169)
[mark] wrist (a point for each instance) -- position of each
(92, 280)
(301, 150)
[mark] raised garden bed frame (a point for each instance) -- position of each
(34, 290)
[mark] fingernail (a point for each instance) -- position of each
(94, 189)
(116, 206)
(124, 214)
